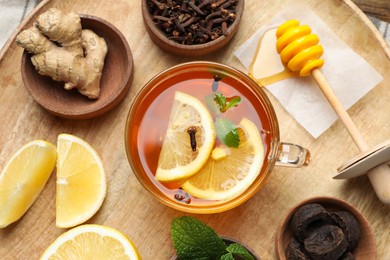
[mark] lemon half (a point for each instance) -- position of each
(92, 242)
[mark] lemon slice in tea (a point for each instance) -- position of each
(91, 242)
(229, 171)
(177, 158)
(81, 181)
(23, 179)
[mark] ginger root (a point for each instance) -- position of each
(65, 52)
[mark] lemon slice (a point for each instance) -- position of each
(177, 159)
(81, 181)
(91, 242)
(23, 179)
(228, 174)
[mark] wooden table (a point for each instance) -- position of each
(128, 207)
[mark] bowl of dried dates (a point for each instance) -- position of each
(192, 28)
(325, 228)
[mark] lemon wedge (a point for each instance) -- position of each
(177, 158)
(230, 171)
(81, 181)
(23, 179)
(92, 242)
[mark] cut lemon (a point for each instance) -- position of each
(91, 242)
(227, 174)
(81, 181)
(177, 158)
(23, 179)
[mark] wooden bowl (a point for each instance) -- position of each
(366, 248)
(196, 50)
(115, 82)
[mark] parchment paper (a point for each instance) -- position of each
(349, 75)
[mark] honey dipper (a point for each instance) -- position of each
(299, 49)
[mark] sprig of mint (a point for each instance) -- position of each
(227, 132)
(226, 103)
(237, 249)
(192, 239)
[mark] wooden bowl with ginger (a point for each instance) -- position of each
(98, 92)
(192, 29)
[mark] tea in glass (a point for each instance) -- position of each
(207, 82)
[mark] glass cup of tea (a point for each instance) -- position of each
(219, 85)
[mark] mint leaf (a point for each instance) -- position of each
(237, 249)
(192, 239)
(226, 103)
(221, 101)
(227, 256)
(227, 132)
(232, 102)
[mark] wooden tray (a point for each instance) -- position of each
(131, 209)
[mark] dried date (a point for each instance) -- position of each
(326, 242)
(307, 215)
(347, 222)
(319, 234)
(295, 250)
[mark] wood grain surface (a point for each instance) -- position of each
(377, 8)
(128, 207)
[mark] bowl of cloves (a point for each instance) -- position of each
(192, 28)
(325, 228)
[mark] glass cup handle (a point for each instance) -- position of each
(292, 155)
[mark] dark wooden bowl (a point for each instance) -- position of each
(196, 50)
(366, 249)
(115, 82)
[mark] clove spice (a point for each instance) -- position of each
(193, 21)
(192, 131)
(182, 196)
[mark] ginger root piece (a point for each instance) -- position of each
(65, 52)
